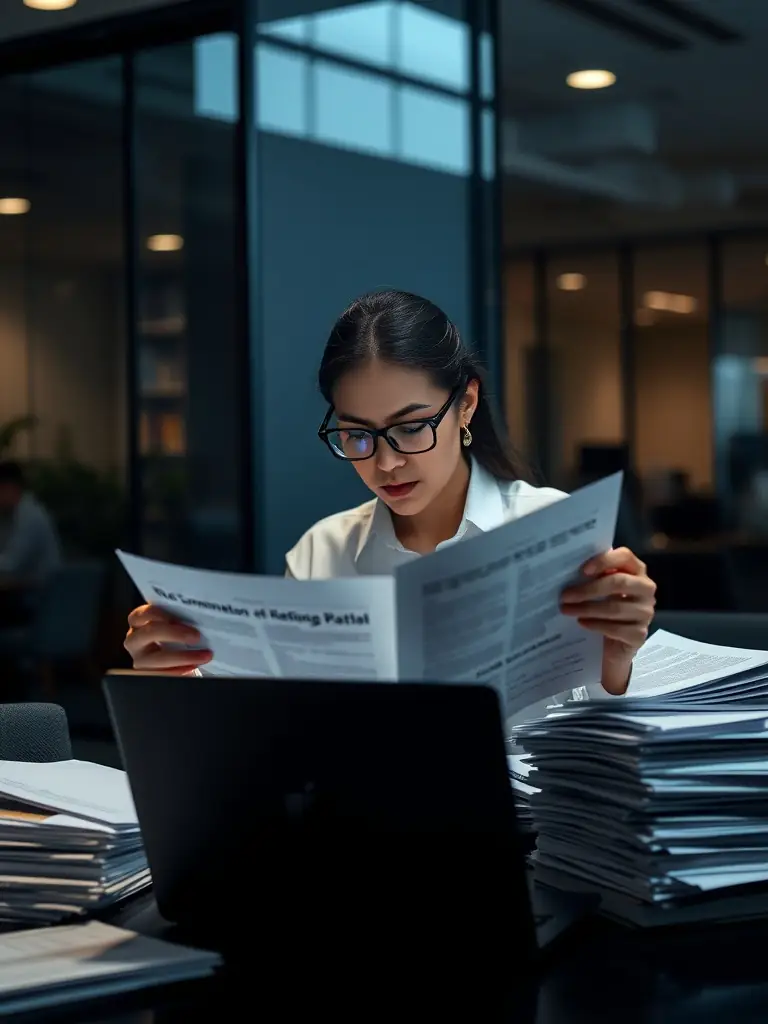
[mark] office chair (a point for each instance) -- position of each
(34, 732)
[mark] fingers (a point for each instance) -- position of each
(151, 630)
(172, 661)
(147, 613)
(621, 559)
(160, 633)
(609, 611)
(638, 587)
(633, 635)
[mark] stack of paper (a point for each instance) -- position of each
(521, 775)
(653, 803)
(45, 968)
(673, 668)
(69, 840)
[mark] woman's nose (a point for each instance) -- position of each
(387, 459)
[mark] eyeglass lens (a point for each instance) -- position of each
(409, 438)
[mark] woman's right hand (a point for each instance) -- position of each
(151, 630)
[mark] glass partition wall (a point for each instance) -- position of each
(183, 215)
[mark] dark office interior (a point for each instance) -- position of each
(166, 258)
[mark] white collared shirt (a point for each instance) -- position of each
(362, 541)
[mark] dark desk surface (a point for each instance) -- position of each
(599, 972)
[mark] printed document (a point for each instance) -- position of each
(485, 610)
(674, 668)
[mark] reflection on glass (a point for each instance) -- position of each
(586, 397)
(215, 76)
(361, 31)
(368, 107)
(435, 130)
(673, 416)
(352, 108)
(281, 92)
(187, 370)
(393, 35)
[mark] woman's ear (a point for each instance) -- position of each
(469, 402)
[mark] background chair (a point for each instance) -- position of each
(64, 624)
(34, 732)
(728, 630)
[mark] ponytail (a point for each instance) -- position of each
(490, 445)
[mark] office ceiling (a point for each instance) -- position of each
(679, 143)
(680, 140)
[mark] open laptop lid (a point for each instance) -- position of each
(390, 803)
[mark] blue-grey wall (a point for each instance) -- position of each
(333, 225)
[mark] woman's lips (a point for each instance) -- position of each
(398, 490)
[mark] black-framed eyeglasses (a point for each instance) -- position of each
(413, 437)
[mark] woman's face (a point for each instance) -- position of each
(382, 395)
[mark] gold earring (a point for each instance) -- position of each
(466, 436)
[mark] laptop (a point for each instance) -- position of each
(324, 812)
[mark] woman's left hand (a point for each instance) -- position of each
(617, 601)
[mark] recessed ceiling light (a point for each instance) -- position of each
(165, 243)
(49, 5)
(669, 302)
(592, 78)
(571, 282)
(11, 206)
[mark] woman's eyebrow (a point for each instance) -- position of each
(405, 411)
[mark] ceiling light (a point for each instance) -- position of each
(668, 302)
(165, 243)
(49, 5)
(11, 206)
(571, 282)
(593, 78)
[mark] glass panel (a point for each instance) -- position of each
(433, 46)
(672, 371)
(216, 77)
(435, 130)
(62, 342)
(585, 402)
(187, 345)
(352, 108)
(281, 90)
(360, 31)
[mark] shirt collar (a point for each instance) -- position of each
(484, 509)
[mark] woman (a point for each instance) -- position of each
(408, 409)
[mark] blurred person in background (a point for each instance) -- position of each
(29, 544)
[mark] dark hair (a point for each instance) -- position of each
(11, 473)
(407, 330)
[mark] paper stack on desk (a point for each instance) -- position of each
(522, 774)
(654, 805)
(69, 840)
(672, 668)
(45, 968)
